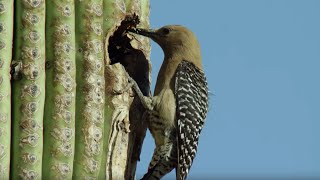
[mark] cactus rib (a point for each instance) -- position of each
(29, 91)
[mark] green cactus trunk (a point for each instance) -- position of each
(6, 35)
(59, 70)
(90, 89)
(59, 117)
(28, 93)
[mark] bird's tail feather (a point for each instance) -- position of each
(163, 161)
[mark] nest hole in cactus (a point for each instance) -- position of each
(134, 60)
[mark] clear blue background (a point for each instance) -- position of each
(262, 60)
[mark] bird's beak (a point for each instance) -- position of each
(144, 32)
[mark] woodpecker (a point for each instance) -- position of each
(177, 111)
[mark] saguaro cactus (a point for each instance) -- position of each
(62, 64)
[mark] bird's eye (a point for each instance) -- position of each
(165, 31)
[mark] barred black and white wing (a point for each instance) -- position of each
(191, 92)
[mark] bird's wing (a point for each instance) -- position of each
(191, 92)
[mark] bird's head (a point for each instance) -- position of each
(173, 39)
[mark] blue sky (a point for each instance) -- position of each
(262, 60)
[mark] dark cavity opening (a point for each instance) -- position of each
(133, 60)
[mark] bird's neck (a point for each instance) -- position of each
(187, 52)
(167, 71)
(172, 58)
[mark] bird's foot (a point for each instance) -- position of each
(145, 100)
